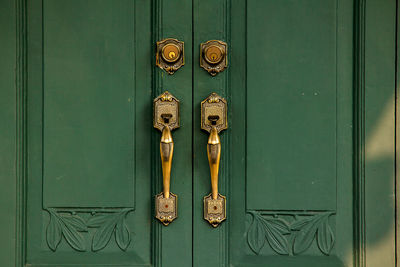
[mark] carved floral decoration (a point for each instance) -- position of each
(71, 226)
(290, 238)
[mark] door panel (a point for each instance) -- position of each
(294, 132)
(292, 105)
(296, 208)
(293, 136)
(88, 83)
(92, 174)
(85, 130)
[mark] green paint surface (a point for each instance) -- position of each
(89, 96)
(288, 163)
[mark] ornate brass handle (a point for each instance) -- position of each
(166, 119)
(214, 120)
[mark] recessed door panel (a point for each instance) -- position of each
(291, 105)
(89, 103)
(87, 100)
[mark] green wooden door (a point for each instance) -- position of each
(308, 159)
(311, 95)
(92, 166)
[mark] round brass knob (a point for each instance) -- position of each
(213, 54)
(171, 52)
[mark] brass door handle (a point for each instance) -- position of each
(214, 120)
(166, 119)
(214, 156)
(166, 151)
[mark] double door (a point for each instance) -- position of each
(292, 167)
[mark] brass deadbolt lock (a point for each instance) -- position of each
(171, 53)
(213, 56)
(170, 56)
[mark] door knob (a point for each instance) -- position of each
(214, 120)
(170, 55)
(166, 119)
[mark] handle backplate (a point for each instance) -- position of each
(166, 119)
(214, 113)
(213, 120)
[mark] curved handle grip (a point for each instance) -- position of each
(214, 155)
(166, 151)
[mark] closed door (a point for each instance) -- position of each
(310, 106)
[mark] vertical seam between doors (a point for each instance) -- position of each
(193, 129)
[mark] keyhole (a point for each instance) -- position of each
(213, 119)
(171, 55)
(166, 117)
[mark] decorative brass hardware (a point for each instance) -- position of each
(166, 119)
(170, 55)
(213, 56)
(214, 120)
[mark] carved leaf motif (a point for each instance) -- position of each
(271, 229)
(77, 222)
(53, 233)
(307, 232)
(256, 234)
(70, 225)
(97, 220)
(122, 235)
(325, 237)
(108, 224)
(299, 224)
(103, 234)
(280, 225)
(73, 237)
(67, 225)
(290, 239)
(275, 229)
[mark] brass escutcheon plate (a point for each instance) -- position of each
(165, 104)
(166, 209)
(170, 55)
(214, 106)
(214, 209)
(213, 57)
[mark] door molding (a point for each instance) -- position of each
(21, 130)
(374, 94)
(359, 131)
